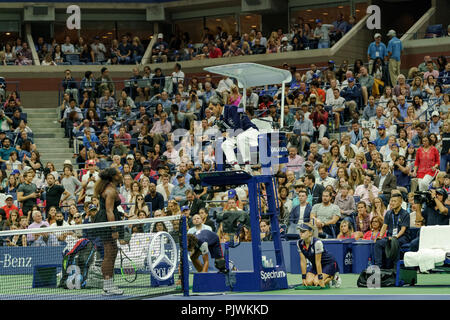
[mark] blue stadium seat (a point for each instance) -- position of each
(73, 58)
(433, 31)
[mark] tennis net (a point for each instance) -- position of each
(130, 259)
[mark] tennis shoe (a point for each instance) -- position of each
(113, 291)
(337, 281)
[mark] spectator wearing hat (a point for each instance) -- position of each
(382, 138)
(394, 51)
(322, 34)
(179, 191)
(9, 200)
(185, 211)
(160, 50)
(435, 123)
(376, 49)
(285, 45)
(353, 97)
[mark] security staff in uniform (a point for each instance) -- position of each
(396, 222)
(230, 117)
(202, 243)
(437, 215)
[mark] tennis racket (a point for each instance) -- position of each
(128, 269)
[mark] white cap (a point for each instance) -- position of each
(130, 156)
(377, 35)
(67, 162)
(312, 95)
(435, 113)
(284, 39)
(391, 33)
(160, 36)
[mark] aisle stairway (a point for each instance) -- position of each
(49, 136)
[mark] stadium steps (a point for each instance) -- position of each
(49, 136)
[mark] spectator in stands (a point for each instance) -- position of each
(367, 191)
(10, 55)
(402, 106)
(394, 51)
(313, 190)
(326, 215)
(353, 97)
(426, 163)
(385, 182)
(322, 34)
(107, 104)
(124, 51)
(137, 50)
(24, 56)
(430, 70)
(57, 55)
(444, 77)
(155, 198)
(160, 50)
(396, 223)
(158, 83)
(70, 85)
(67, 47)
(179, 191)
(99, 50)
(28, 193)
(104, 82)
(320, 120)
(366, 82)
(55, 194)
(376, 49)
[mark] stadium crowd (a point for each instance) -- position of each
(177, 47)
(361, 136)
(301, 36)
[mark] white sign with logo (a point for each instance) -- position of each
(162, 251)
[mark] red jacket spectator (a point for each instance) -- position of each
(427, 161)
(9, 208)
(320, 116)
(215, 52)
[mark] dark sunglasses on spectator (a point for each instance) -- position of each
(76, 217)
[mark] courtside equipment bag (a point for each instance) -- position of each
(76, 263)
(387, 278)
